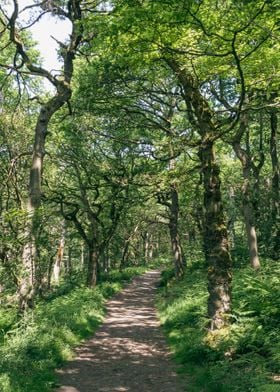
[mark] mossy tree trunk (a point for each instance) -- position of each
(275, 210)
(216, 244)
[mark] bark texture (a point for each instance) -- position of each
(216, 244)
(92, 272)
(63, 94)
(247, 205)
(177, 250)
(275, 183)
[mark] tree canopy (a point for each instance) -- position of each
(159, 140)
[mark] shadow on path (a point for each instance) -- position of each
(128, 352)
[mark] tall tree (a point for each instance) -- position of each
(25, 63)
(247, 163)
(275, 182)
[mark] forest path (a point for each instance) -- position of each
(128, 352)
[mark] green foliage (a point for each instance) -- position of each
(8, 317)
(108, 161)
(43, 339)
(242, 357)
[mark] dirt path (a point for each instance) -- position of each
(128, 352)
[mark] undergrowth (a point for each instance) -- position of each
(31, 347)
(243, 357)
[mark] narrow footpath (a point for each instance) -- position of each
(128, 352)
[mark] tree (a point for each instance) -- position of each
(25, 63)
(275, 183)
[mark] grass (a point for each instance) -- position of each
(33, 346)
(243, 357)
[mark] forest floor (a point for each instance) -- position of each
(128, 352)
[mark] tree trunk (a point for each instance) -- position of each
(247, 207)
(275, 211)
(146, 246)
(157, 242)
(124, 254)
(82, 257)
(93, 261)
(249, 219)
(179, 259)
(2, 290)
(59, 255)
(29, 254)
(216, 242)
(106, 260)
(50, 271)
(68, 266)
(256, 168)
(63, 94)
(177, 251)
(151, 248)
(232, 217)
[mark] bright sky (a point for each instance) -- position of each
(42, 31)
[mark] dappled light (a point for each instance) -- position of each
(150, 166)
(128, 353)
